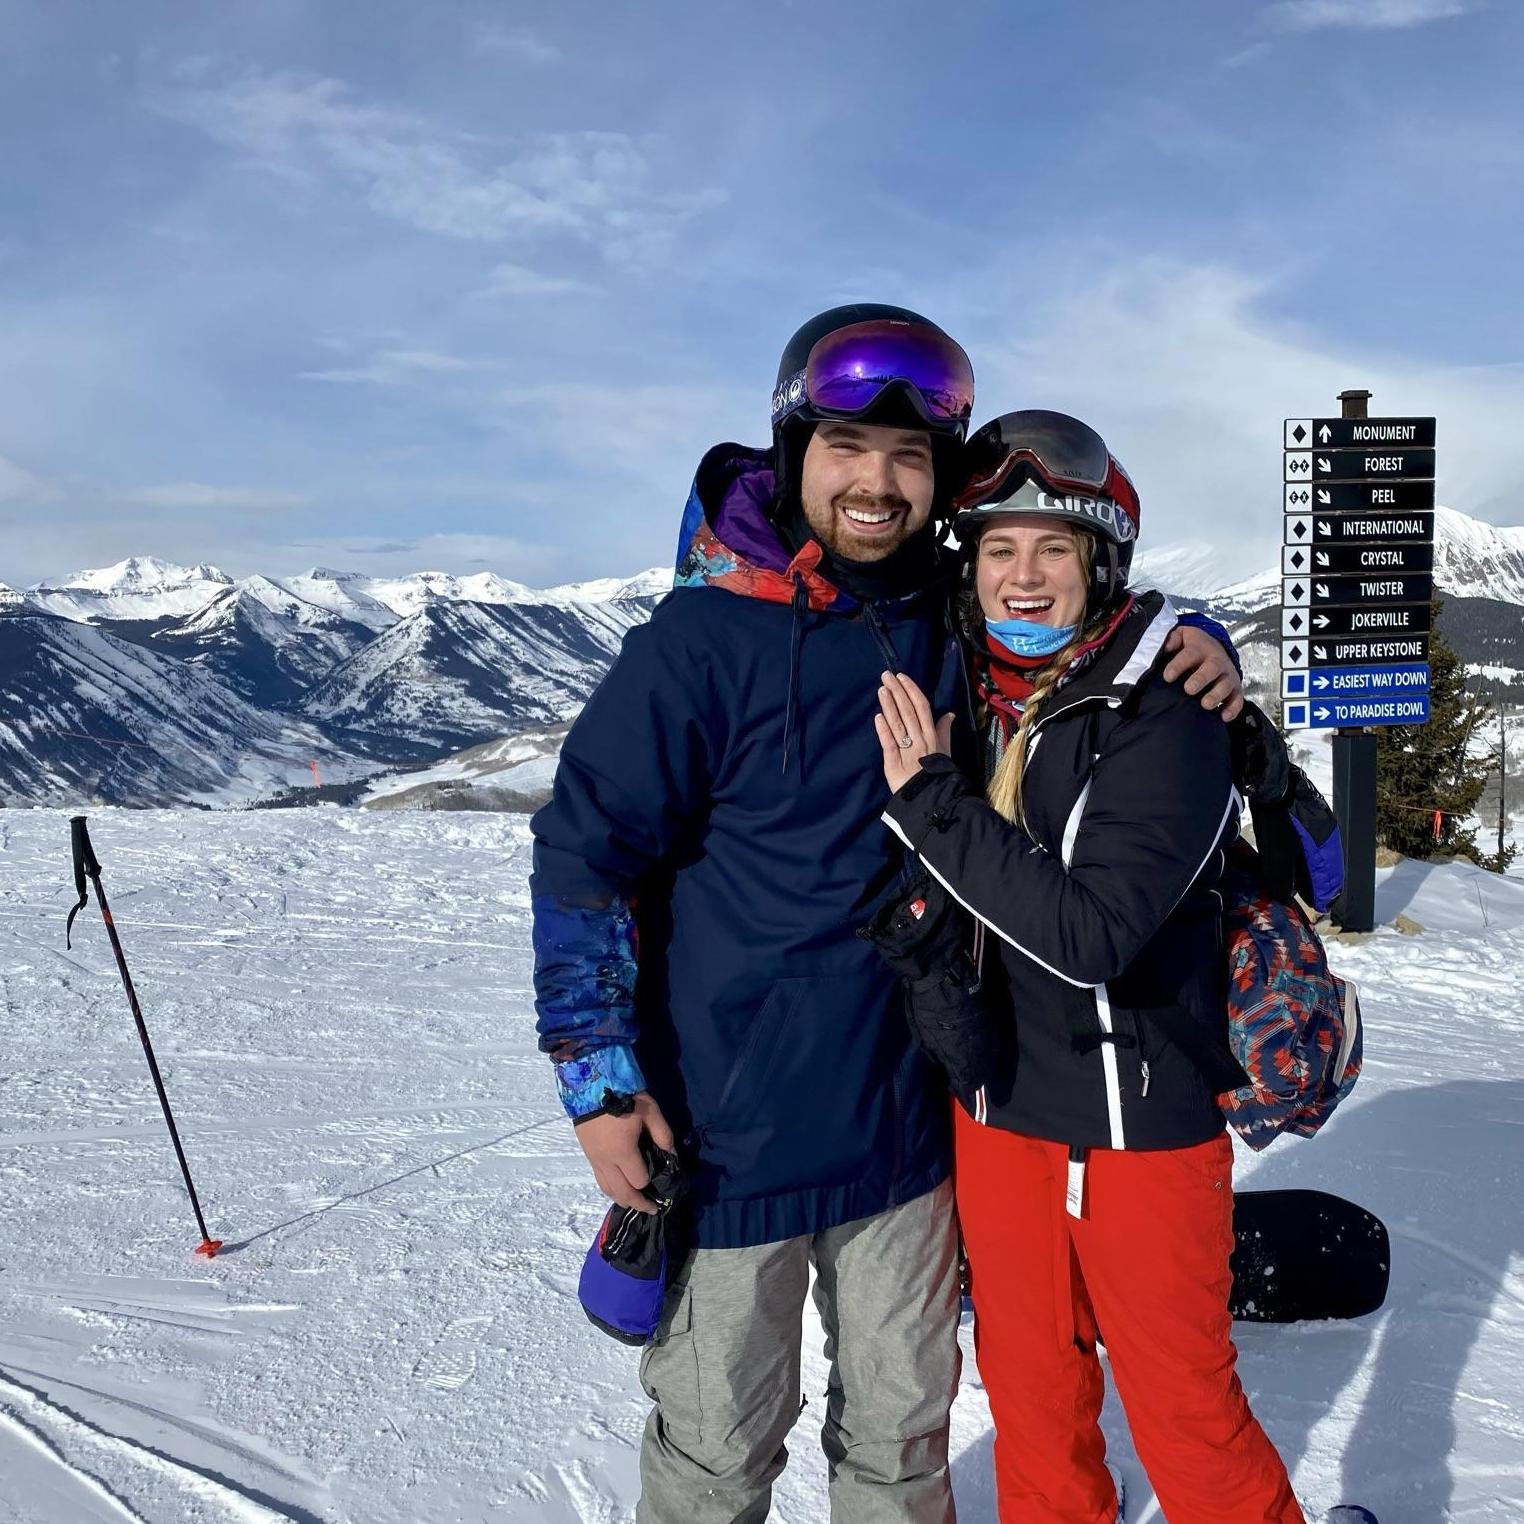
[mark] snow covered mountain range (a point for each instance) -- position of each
(152, 683)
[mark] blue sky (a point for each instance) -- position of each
(464, 286)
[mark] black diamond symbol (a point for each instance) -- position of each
(1300, 530)
(1297, 590)
(1295, 621)
(1296, 653)
(1299, 433)
(1300, 497)
(1299, 560)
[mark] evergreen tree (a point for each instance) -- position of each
(1423, 768)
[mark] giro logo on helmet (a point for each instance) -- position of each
(1101, 510)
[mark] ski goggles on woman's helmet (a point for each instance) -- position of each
(1063, 454)
(848, 374)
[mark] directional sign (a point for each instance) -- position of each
(1353, 650)
(1359, 497)
(1385, 619)
(1334, 433)
(1357, 565)
(1351, 560)
(1326, 714)
(1365, 465)
(1354, 682)
(1358, 528)
(1299, 592)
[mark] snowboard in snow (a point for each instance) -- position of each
(1304, 1255)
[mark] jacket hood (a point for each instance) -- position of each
(727, 539)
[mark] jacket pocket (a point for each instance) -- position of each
(759, 1048)
(808, 1101)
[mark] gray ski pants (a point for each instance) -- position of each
(723, 1372)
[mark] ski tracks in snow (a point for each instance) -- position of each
(68, 1438)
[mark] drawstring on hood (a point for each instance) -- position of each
(792, 718)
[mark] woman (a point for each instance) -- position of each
(1094, 1180)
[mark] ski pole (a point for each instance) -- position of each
(85, 864)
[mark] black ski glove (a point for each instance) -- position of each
(925, 936)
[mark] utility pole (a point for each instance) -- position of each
(1502, 778)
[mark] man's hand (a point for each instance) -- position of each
(1207, 670)
(612, 1146)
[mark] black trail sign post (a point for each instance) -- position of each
(1357, 567)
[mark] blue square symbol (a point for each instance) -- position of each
(1296, 682)
(1296, 714)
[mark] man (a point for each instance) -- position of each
(723, 789)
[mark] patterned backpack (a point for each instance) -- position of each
(1293, 1025)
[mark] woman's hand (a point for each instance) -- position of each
(1207, 669)
(906, 729)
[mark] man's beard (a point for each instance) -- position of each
(839, 537)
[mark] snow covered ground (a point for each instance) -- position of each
(341, 1001)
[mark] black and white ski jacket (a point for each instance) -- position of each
(1106, 918)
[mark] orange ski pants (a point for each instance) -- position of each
(1144, 1270)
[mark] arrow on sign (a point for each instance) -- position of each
(1325, 528)
(1320, 652)
(1325, 433)
(1320, 681)
(1324, 497)
(1322, 589)
(1322, 713)
(1321, 621)
(1322, 558)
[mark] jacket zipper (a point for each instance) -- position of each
(875, 622)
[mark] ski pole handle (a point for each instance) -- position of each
(84, 864)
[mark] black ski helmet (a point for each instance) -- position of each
(894, 407)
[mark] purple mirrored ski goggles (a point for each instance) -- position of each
(848, 372)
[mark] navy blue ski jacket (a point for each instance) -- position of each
(711, 848)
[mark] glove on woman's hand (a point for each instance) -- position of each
(925, 936)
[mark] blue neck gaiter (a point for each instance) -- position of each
(1025, 637)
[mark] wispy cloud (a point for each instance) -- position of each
(522, 560)
(398, 367)
(508, 280)
(206, 495)
(1361, 15)
(17, 483)
(650, 434)
(516, 42)
(1245, 55)
(597, 187)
